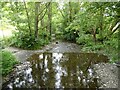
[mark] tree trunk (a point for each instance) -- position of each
(42, 24)
(36, 19)
(94, 35)
(50, 18)
(28, 19)
(70, 12)
(101, 24)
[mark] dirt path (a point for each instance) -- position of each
(108, 73)
(56, 46)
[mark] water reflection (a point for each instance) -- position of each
(59, 70)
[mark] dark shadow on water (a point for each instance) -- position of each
(59, 70)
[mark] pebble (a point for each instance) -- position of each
(107, 74)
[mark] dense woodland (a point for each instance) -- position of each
(93, 25)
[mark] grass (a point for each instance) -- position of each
(7, 61)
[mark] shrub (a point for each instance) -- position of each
(111, 48)
(26, 41)
(4, 42)
(71, 32)
(7, 62)
(84, 39)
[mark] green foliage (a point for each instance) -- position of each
(93, 24)
(59, 35)
(84, 39)
(26, 41)
(32, 33)
(88, 23)
(71, 32)
(93, 47)
(7, 62)
(111, 47)
(70, 35)
(4, 42)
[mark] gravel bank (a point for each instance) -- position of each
(108, 74)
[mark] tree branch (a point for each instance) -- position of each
(27, 16)
(43, 9)
(61, 13)
(44, 13)
(115, 27)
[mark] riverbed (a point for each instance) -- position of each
(61, 65)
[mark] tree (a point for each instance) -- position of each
(28, 19)
(37, 4)
(50, 17)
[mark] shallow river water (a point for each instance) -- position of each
(58, 70)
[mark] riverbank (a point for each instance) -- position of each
(106, 72)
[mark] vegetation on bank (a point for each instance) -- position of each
(109, 48)
(7, 61)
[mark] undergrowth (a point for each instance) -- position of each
(7, 62)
